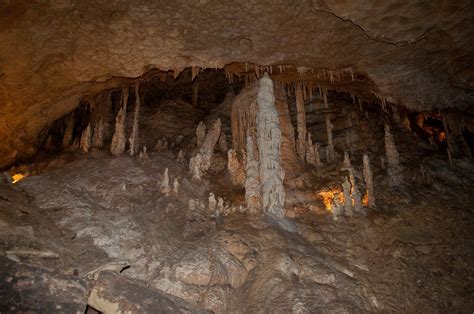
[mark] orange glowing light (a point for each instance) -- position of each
(442, 136)
(18, 177)
(329, 196)
(365, 200)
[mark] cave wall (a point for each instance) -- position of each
(53, 53)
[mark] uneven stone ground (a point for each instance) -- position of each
(100, 212)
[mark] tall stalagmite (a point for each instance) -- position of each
(269, 145)
(369, 181)
(134, 139)
(98, 137)
(252, 182)
(68, 133)
(86, 139)
(301, 122)
(118, 140)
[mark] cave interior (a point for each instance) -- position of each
(300, 184)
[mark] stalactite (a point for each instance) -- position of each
(235, 168)
(98, 136)
(117, 146)
(310, 151)
(330, 154)
(200, 134)
(134, 137)
(86, 139)
(393, 159)
(369, 181)
(269, 145)
(301, 123)
(68, 133)
(346, 189)
(252, 182)
(325, 98)
(165, 184)
(223, 143)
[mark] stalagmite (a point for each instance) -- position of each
(179, 139)
(180, 157)
(200, 134)
(223, 143)
(235, 168)
(143, 153)
(86, 139)
(98, 137)
(192, 205)
(212, 202)
(118, 140)
(252, 183)
(330, 154)
(301, 123)
(134, 139)
(165, 184)
(369, 183)
(346, 164)
(269, 144)
(201, 162)
(175, 186)
(393, 159)
(346, 188)
(69, 130)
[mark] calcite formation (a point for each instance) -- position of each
(165, 183)
(134, 137)
(200, 134)
(269, 145)
(98, 135)
(201, 162)
(117, 146)
(253, 199)
(330, 154)
(393, 158)
(369, 181)
(235, 168)
(86, 139)
(301, 122)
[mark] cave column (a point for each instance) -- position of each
(269, 146)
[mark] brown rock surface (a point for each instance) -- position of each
(52, 53)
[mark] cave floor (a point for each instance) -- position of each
(64, 230)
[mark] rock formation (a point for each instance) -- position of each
(223, 143)
(200, 134)
(98, 136)
(134, 137)
(175, 186)
(86, 139)
(269, 145)
(301, 122)
(180, 158)
(68, 132)
(117, 146)
(346, 189)
(201, 162)
(143, 153)
(253, 199)
(235, 168)
(165, 184)
(369, 181)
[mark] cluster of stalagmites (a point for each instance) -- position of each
(201, 162)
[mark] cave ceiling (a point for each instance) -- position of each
(418, 54)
